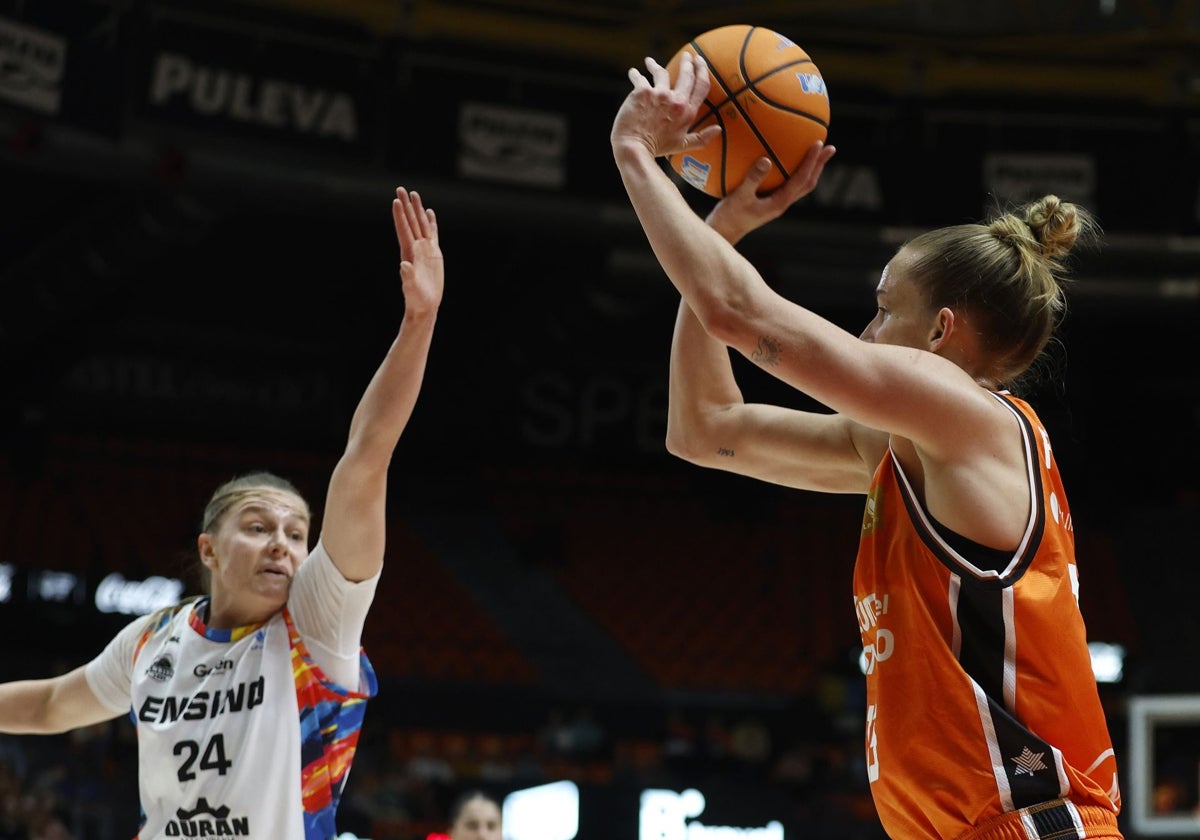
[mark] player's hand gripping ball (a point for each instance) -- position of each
(769, 99)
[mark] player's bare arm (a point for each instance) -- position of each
(354, 527)
(50, 706)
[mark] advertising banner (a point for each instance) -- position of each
(64, 67)
(271, 85)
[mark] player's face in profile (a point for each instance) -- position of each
(479, 820)
(903, 317)
(261, 542)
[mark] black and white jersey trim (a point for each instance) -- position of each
(981, 568)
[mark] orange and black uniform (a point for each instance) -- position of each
(983, 716)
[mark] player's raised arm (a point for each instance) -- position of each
(708, 422)
(354, 524)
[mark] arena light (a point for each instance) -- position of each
(545, 812)
(1108, 661)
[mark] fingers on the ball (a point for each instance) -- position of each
(758, 171)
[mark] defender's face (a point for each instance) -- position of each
(253, 556)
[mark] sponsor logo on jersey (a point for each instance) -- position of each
(203, 669)
(202, 704)
(206, 821)
(161, 669)
(871, 512)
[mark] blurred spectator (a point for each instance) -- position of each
(12, 756)
(495, 765)
(429, 777)
(716, 743)
(554, 738)
(750, 742)
(794, 768)
(586, 738)
(458, 749)
(475, 816)
(681, 746)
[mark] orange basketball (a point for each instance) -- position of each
(769, 98)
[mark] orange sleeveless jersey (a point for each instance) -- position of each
(980, 692)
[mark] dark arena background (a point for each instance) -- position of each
(198, 273)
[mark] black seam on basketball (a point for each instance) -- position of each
(729, 94)
(716, 115)
(762, 141)
(720, 120)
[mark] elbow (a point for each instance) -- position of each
(690, 441)
(677, 443)
(724, 319)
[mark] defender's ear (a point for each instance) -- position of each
(208, 552)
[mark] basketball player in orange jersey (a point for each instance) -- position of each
(983, 717)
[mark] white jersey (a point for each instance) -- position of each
(245, 732)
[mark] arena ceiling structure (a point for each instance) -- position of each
(161, 157)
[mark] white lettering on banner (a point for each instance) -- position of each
(136, 597)
(849, 188)
(243, 97)
(512, 145)
(1013, 177)
(163, 381)
(32, 64)
(664, 815)
(58, 587)
(558, 411)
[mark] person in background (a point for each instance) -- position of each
(248, 701)
(475, 816)
(983, 716)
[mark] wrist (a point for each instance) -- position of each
(423, 315)
(729, 234)
(631, 151)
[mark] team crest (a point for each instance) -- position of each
(161, 669)
(871, 512)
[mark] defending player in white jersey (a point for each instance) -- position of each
(249, 701)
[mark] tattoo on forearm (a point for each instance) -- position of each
(767, 352)
(721, 450)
